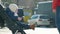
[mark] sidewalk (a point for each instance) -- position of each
(30, 31)
(42, 31)
(5, 30)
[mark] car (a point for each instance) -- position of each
(39, 19)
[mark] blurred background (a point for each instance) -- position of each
(31, 8)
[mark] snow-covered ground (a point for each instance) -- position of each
(30, 31)
(5, 30)
(42, 31)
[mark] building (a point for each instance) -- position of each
(23, 3)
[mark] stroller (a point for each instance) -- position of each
(11, 24)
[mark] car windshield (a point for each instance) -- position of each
(43, 17)
(34, 17)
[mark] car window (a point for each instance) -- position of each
(34, 17)
(43, 17)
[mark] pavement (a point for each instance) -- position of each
(37, 30)
(42, 31)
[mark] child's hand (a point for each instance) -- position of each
(54, 10)
(19, 18)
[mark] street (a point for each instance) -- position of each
(42, 31)
(37, 30)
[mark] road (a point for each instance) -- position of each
(30, 31)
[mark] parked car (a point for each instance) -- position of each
(39, 19)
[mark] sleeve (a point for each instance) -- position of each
(23, 25)
(54, 4)
(11, 15)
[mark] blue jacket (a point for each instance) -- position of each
(11, 15)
